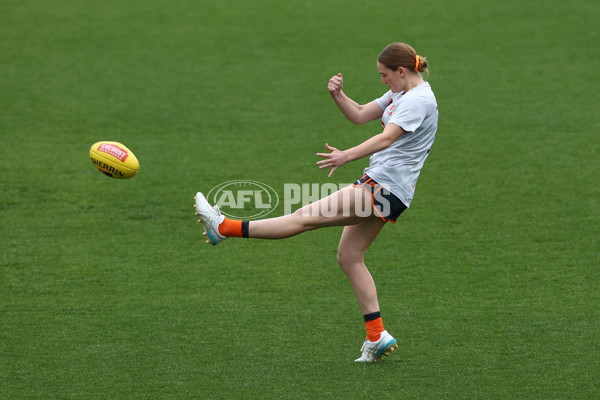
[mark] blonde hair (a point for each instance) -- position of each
(397, 55)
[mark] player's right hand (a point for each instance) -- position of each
(335, 84)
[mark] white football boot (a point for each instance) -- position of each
(211, 218)
(374, 351)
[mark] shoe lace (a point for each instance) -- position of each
(364, 345)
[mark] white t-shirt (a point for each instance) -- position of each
(397, 167)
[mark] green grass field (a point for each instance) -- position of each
(491, 281)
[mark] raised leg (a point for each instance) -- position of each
(347, 206)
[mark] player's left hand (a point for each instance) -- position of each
(335, 159)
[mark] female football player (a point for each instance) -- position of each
(409, 115)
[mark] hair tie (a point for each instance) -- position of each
(418, 58)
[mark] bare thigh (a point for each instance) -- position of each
(347, 206)
(357, 238)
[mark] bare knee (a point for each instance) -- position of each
(349, 257)
(303, 220)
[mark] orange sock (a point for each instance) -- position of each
(374, 329)
(231, 228)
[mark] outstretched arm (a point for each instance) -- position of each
(356, 113)
(337, 158)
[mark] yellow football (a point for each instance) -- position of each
(114, 159)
